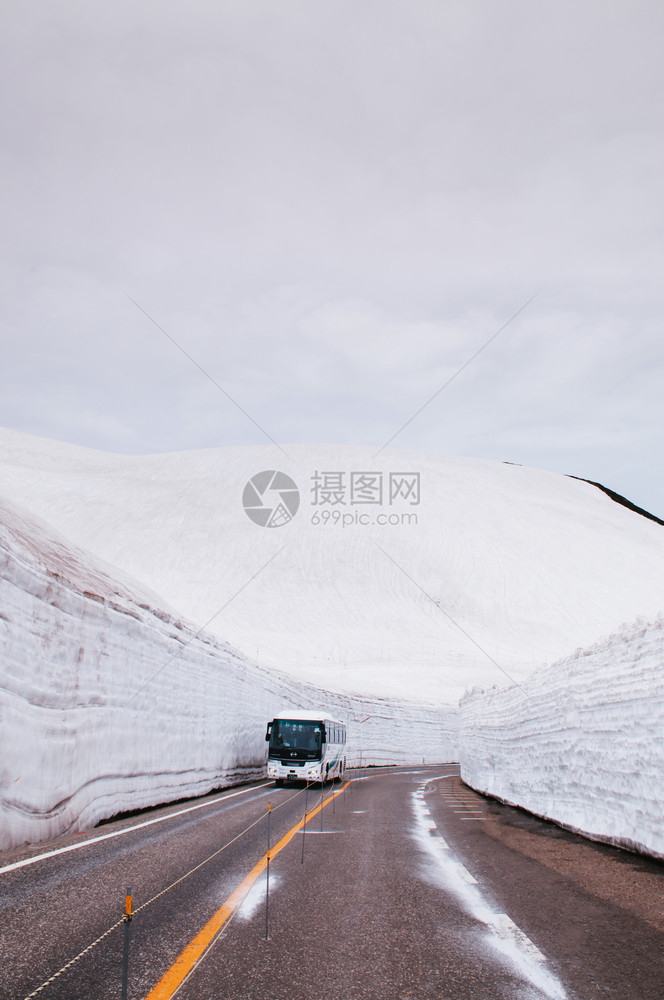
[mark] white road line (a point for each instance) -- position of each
(464, 874)
(319, 833)
(506, 929)
(119, 833)
(526, 960)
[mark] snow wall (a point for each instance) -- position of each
(109, 703)
(580, 742)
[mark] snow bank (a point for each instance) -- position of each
(580, 742)
(517, 563)
(108, 702)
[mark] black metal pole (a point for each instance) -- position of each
(267, 880)
(125, 954)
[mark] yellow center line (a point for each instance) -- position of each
(194, 951)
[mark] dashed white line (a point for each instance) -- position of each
(502, 933)
(506, 929)
(463, 873)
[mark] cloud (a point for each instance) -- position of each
(331, 207)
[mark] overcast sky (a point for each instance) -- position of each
(331, 206)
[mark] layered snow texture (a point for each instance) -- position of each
(496, 569)
(110, 700)
(580, 742)
(109, 703)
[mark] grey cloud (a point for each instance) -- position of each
(331, 206)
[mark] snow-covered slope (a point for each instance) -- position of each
(497, 569)
(581, 742)
(108, 702)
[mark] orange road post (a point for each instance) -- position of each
(125, 955)
(267, 877)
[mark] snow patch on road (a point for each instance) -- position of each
(502, 933)
(255, 898)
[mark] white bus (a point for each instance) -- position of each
(305, 746)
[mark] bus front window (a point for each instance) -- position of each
(303, 737)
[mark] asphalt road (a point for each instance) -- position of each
(409, 886)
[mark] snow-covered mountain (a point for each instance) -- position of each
(397, 574)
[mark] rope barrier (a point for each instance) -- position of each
(227, 923)
(163, 892)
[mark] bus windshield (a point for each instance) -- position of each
(289, 734)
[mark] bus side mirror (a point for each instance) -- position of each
(269, 731)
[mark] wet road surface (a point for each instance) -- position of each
(405, 884)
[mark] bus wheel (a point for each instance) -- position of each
(279, 782)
